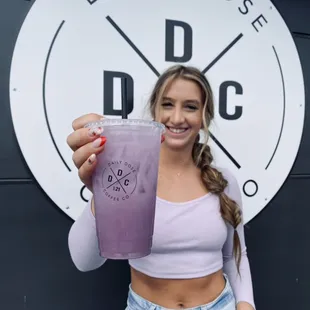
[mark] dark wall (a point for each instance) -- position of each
(36, 271)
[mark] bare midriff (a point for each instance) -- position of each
(178, 293)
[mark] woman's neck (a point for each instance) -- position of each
(175, 159)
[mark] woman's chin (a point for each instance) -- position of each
(177, 144)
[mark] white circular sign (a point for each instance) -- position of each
(70, 57)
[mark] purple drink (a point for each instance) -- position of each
(125, 185)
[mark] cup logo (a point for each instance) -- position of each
(119, 180)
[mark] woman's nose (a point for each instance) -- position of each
(177, 116)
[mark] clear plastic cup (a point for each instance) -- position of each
(125, 186)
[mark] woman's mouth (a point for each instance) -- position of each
(177, 130)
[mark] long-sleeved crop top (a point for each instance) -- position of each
(190, 240)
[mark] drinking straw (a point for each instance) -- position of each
(124, 99)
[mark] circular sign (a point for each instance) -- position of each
(67, 63)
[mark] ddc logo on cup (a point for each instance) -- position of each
(70, 62)
(119, 180)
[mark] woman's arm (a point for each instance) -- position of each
(241, 282)
(83, 243)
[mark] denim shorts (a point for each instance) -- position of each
(225, 301)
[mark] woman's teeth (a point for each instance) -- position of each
(177, 130)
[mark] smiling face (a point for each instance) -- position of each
(182, 100)
(181, 111)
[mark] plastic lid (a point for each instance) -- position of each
(124, 122)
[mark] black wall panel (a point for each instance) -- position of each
(302, 163)
(295, 13)
(279, 251)
(12, 15)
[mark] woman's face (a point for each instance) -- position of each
(181, 112)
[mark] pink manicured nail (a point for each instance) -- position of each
(95, 131)
(99, 142)
(92, 159)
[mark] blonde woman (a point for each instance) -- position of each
(198, 258)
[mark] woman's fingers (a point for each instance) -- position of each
(84, 152)
(87, 169)
(83, 120)
(86, 143)
(82, 136)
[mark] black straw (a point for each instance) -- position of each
(124, 99)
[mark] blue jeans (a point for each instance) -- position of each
(225, 301)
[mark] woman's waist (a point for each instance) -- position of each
(178, 293)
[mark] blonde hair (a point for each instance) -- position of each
(213, 179)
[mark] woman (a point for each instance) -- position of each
(198, 258)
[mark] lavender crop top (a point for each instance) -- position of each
(190, 240)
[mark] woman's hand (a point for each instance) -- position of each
(86, 144)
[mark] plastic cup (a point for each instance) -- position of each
(125, 186)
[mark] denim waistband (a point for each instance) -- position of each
(225, 301)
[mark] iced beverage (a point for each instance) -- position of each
(124, 187)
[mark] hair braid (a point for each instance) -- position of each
(216, 183)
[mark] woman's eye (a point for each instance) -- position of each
(192, 107)
(166, 104)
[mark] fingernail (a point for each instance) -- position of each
(99, 142)
(95, 131)
(92, 159)
(162, 138)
